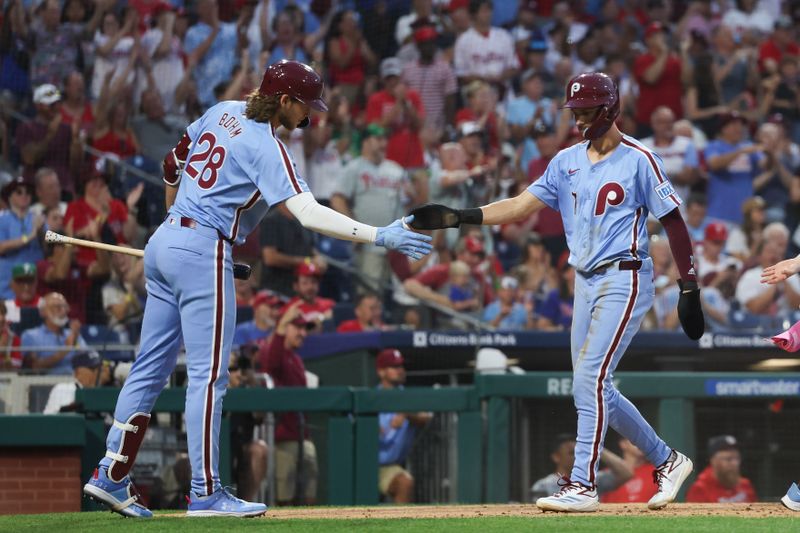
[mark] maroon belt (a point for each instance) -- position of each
(631, 264)
(187, 222)
(191, 223)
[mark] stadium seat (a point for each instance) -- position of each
(101, 335)
(343, 311)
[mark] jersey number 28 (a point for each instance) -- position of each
(208, 159)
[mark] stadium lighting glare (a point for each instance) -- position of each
(776, 364)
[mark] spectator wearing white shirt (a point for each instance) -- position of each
(89, 372)
(678, 153)
(165, 51)
(422, 9)
(767, 300)
(483, 52)
(748, 17)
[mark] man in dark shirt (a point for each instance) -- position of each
(285, 244)
(295, 454)
(46, 141)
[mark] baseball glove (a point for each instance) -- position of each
(241, 271)
(437, 216)
(690, 312)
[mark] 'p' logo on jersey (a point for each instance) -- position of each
(610, 193)
(574, 89)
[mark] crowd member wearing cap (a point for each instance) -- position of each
(506, 312)
(562, 454)
(397, 432)
(45, 140)
(285, 245)
(485, 52)
(713, 265)
(680, 157)
(722, 480)
(733, 163)
(18, 232)
(433, 78)
(278, 357)
(266, 308)
(24, 284)
(368, 312)
(211, 46)
(9, 359)
(398, 109)
(420, 10)
(374, 189)
(89, 371)
(781, 43)
(349, 54)
(57, 330)
(658, 73)
(314, 308)
(428, 284)
(767, 300)
(528, 111)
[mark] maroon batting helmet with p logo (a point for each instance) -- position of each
(294, 79)
(594, 89)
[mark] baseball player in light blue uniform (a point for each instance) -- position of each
(604, 189)
(225, 173)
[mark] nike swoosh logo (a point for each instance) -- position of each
(572, 171)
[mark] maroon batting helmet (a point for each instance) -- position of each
(594, 89)
(294, 79)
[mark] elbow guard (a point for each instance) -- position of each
(175, 160)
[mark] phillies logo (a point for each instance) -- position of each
(574, 89)
(611, 193)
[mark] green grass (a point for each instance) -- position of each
(102, 522)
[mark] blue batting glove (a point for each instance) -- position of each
(396, 236)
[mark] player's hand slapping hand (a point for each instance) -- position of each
(437, 216)
(398, 236)
(780, 271)
(690, 311)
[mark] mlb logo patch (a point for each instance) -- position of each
(665, 190)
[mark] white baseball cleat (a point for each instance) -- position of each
(572, 498)
(792, 498)
(669, 477)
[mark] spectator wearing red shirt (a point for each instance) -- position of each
(427, 283)
(75, 107)
(368, 315)
(60, 272)
(349, 55)
(399, 110)
(640, 488)
(306, 287)
(98, 216)
(780, 43)
(722, 480)
(278, 357)
(658, 72)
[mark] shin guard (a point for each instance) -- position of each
(132, 436)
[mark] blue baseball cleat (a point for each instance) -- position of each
(223, 503)
(792, 498)
(120, 497)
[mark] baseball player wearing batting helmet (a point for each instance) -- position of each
(223, 175)
(604, 188)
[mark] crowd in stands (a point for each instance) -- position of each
(456, 102)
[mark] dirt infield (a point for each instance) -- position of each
(743, 510)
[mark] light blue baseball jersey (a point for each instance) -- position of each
(605, 205)
(235, 170)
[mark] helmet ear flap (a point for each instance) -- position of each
(599, 126)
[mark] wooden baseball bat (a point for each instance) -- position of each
(57, 238)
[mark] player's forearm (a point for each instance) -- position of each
(680, 244)
(511, 209)
(170, 193)
(324, 220)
